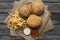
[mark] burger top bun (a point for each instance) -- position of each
(37, 8)
(24, 11)
(34, 21)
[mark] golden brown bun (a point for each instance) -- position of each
(24, 11)
(37, 7)
(34, 21)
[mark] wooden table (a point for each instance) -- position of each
(54, 8)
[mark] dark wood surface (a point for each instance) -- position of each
(54, 8)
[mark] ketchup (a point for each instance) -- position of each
(34, 33)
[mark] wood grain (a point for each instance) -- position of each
(8, 0)
(53, 7)
(55, 31)
(54, 37)
(42, 0)
(6, 5)
(51, 1)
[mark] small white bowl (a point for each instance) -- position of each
(27, 31)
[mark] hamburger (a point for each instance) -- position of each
(24, 11)
(37, 8)
(34, 21)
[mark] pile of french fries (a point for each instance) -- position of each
(15, 22)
